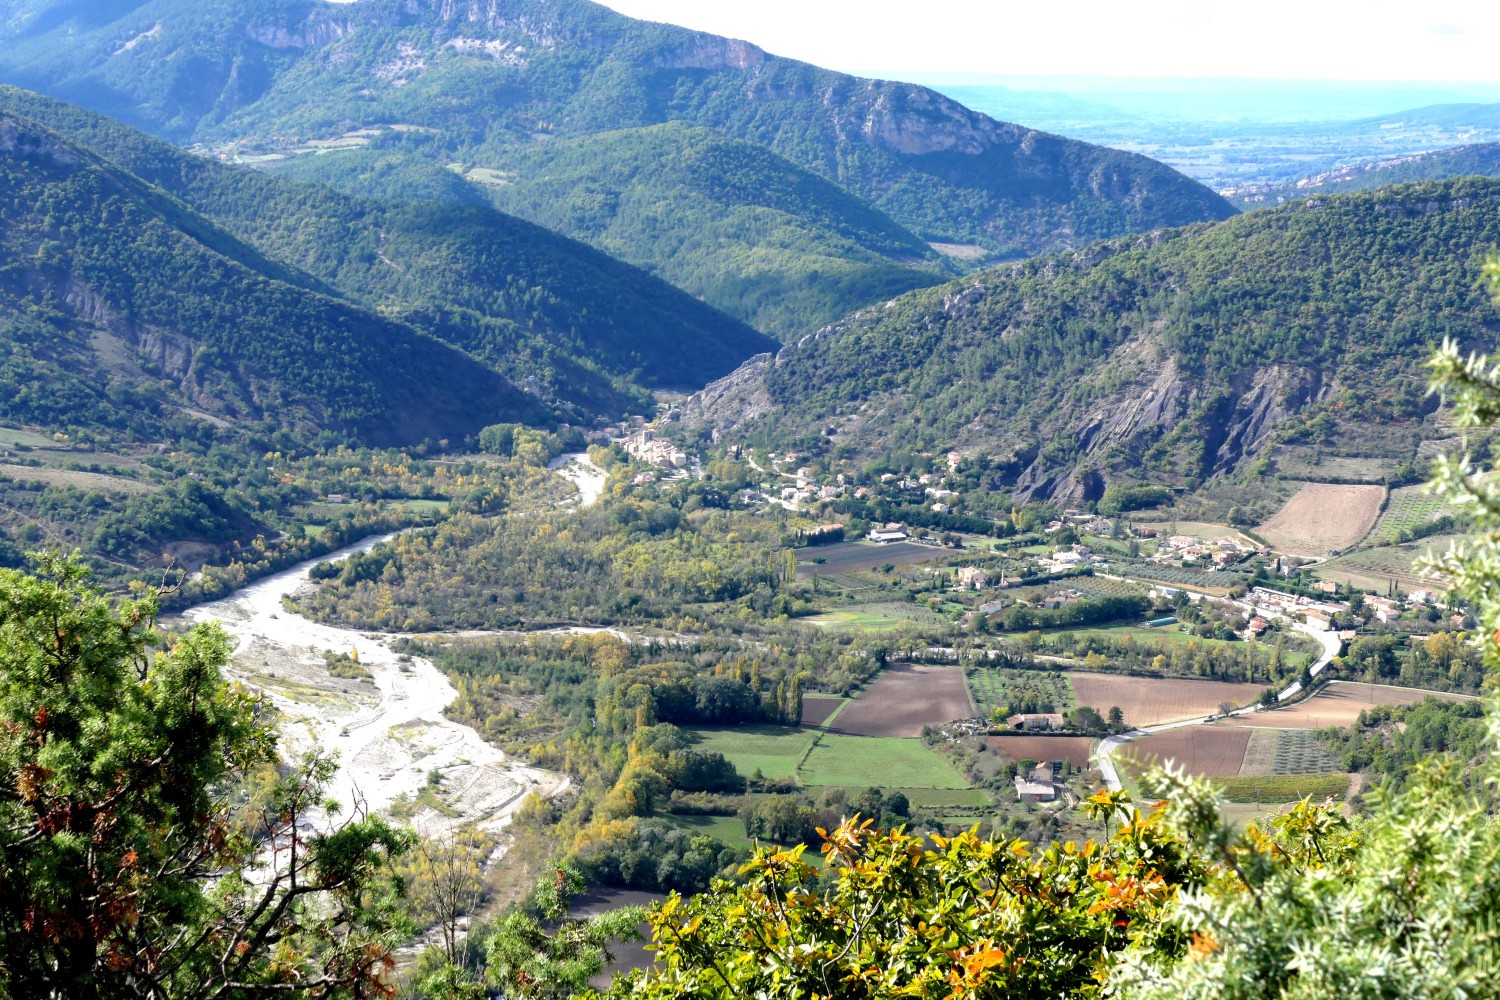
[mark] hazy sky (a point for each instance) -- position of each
(1278, 39)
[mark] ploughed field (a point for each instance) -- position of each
(847, 557)
(1274, 756)
(1323, 518)
(1338, 704)
(905, 698)
(1076, 750)
(1149, 701)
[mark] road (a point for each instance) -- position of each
(1109, 747)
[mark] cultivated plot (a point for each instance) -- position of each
(1323, 518)
(1149, 701)
(1073, 749)
(905, 698)
(847, 557)
(1206, 751)
(817, 710)
(1338, 704)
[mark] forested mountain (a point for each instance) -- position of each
(483, 82)
(1480, 159)
(1280, 333)
(590, 331)
(727, 220)
(120, 307)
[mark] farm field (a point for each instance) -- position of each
(996, 687)
(1323, 518)
(1073, 749)
(877, 617)
(1407, 509)
(1148, 701)
(1280, 789)
(905, 698)
(846, 557)
(862, 761)
(774, 751)
(70, 477)
(1374, 569)
(817, 710)
(1338, 704)
(1206, 751)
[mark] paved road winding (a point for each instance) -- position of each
(1104, 754)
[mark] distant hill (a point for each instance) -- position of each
(120, 307)
(484, 81)
(1281, 336)
(1480, 159)
(576, 325)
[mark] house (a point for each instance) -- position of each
(973, 578)
(1033, 790)
(1327, 586)
(1318, 619)
(1258, 625)
(889, 533)
(1067, 559)
(941, 508)
(1036, 722)
(991, 607)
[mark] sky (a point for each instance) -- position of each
(1377, 40)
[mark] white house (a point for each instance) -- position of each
(889, 533)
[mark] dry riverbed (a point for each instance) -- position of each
(388, 730)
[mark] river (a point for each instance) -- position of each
(577, 468)
(388, 731)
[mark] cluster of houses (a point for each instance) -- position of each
(644, 446)
(1268, 604)
(1188, 551)
(1080, 521)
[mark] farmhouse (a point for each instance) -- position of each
(973, 578)
(888, 533)
(1036, 721)
(1258, 625)
(1033, 790)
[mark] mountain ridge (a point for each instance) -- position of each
(508, 71)
(1172, 358)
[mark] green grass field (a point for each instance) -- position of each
(847, 761)
(772, 750)
(877, 617)
(426, 506)
(861, 761)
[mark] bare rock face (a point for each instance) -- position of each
(732, 401)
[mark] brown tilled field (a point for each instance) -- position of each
(816, 710)
(905, 698)
(1323, 517)
(1339, 704)
(1208, 751)
(1147, 701)
(1073, 749)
